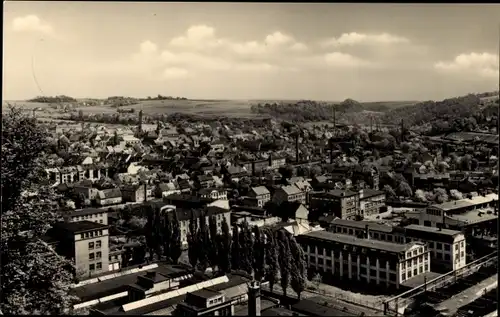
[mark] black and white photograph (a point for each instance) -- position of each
(250, 159)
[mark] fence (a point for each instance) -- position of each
(392, 306)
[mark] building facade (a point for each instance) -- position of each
(364, 260)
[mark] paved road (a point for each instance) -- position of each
(450, 306)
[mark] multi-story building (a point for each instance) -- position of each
(87, 243)
(364, 260)
(275, 162)
(261, 194)
(343, 204)
(459, 213)
(447, 247)
(289, 193)
(90, 214)
(371, 201)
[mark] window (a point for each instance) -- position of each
(91, 256)
(414, 261)
(462, 244)
(447, 247)
(328, 252)
(110, 258)
(362, 270)
(382, 275)
(100, 221)
(320, 261)
(415, 272)
(99, 266)
(91, 267)
(431, 244)
(350, 231)
(373, 272)
(392, 277)
(462, 254)
(98, 255)
(420, 259)
(427, 223)
(328, 263)
(421, 269)
(447, 257)
(438, 245)
(403, 277)
(98, 244)
(382, 237)
(415, 252)
(81, 236)
(456, 247)
(409, 274)
(86, 234)
(426, 266)
(403, 265)
(91, 245)
(375, 235)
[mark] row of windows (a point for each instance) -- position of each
(97, 245)
(434, 212)
(113, 257)
(415, 261)
(91, 234)
(382, 263)
(95, 256)
(409, 274)
(415, 252)
(215, 301)
(95, 267)
(362, 271)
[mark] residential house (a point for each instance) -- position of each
(289, 193)
(205, 181)
(235, 173)
(208, 169)
(134, 193)
(166, 189)
(213, 193)
(107, 197)
(217, 147)
(85, 188)
(305, 187)
(261, 194)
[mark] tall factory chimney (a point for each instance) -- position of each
(139, 127)
(297, 147)
(254, 299)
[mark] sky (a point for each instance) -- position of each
(368, 52)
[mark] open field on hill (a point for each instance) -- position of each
(230, 108)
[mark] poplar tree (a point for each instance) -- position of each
(258, 253)
(235, 249)
(299, 272)
(175, 246)
(224, 248)
(272, 263)
(285, 260)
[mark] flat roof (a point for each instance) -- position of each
(87, 211)
(365, 243)
(80, 226)
(120, 283)
(362, 225)
(434, 230)
(205, 293)
(420, 279)
(462, 203)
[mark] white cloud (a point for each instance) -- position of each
(299, 47)
(278, 38)
(354, 38)
(338, 59)
(175, 73)
(148, 47)
(31, 23)
(483, 64)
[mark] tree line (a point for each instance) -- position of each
(55, 99)
(274, 256)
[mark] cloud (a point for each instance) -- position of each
(338, 59)
(201, 50)
(31, 23)
(354, 38)
(482, 64)
(175, 73)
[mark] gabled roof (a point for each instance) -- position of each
(260, 190)
(110, 193)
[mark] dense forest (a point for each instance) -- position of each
(56, 99)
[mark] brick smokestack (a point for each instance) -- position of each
(254, 306)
